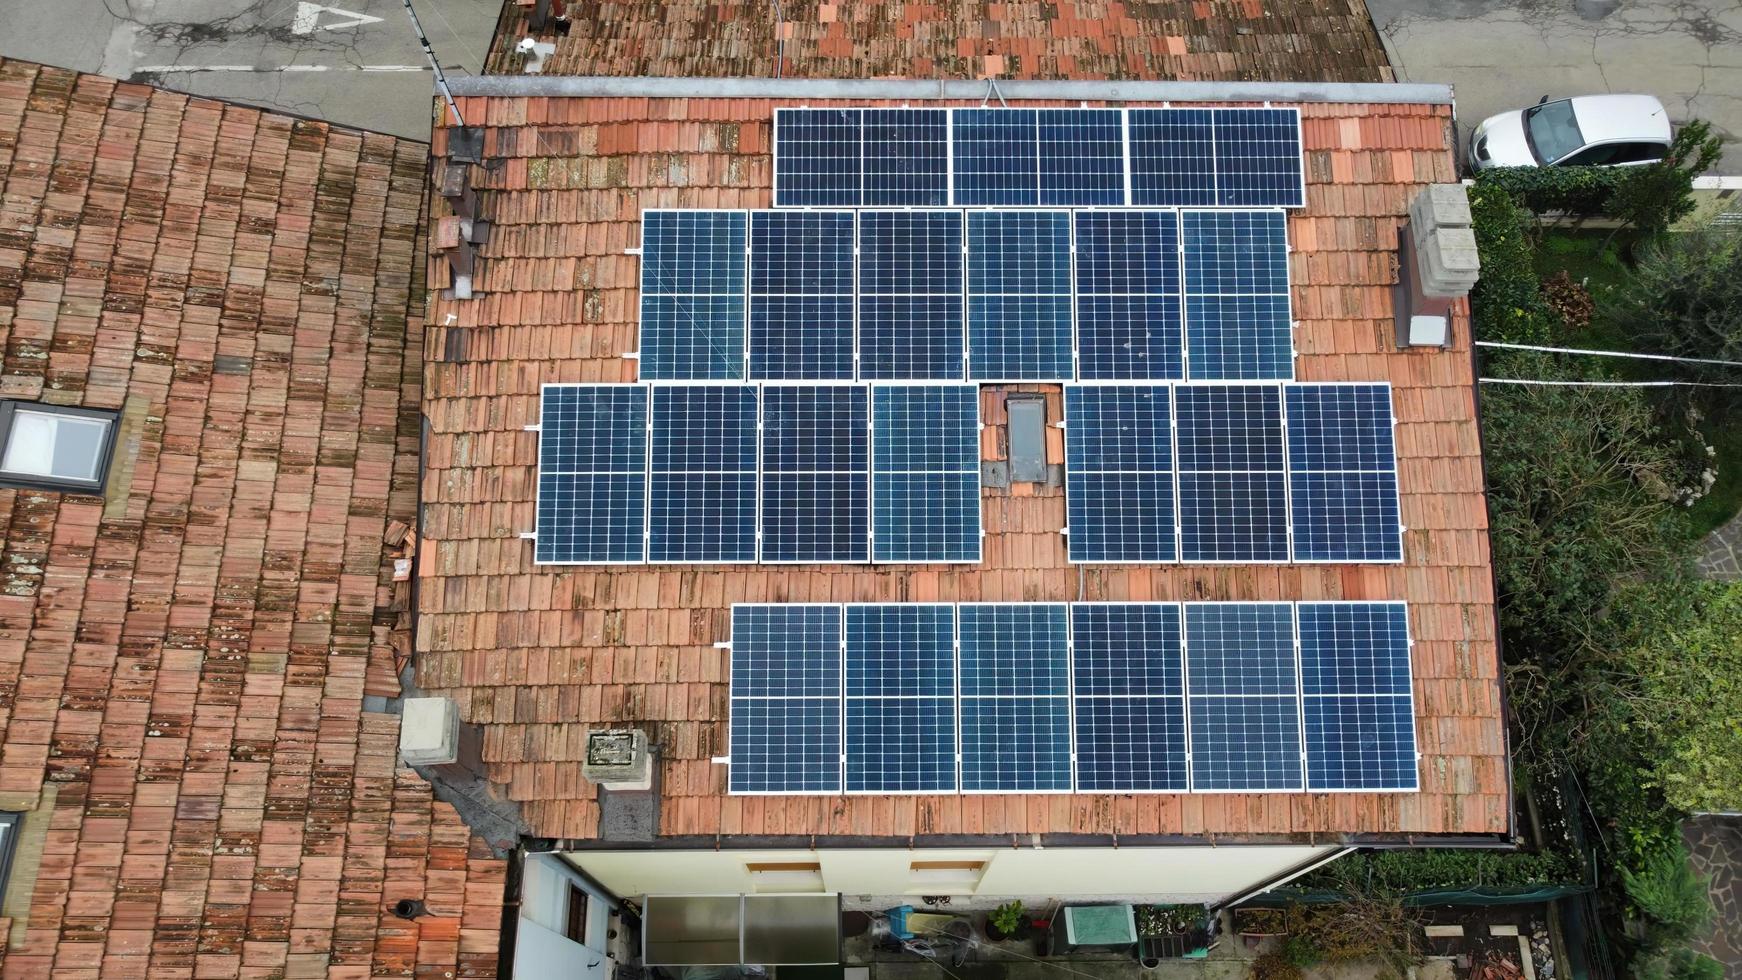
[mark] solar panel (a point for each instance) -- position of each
(702, 504)
(1015, 698)
(1128, 296)
(692, 295)
(1119, 479)
(1233, 501)
(1258, 158)
(1243, 696)
(815, 473)
(1082, 157)
(910, 295)
(785, 728)
(1171, 158)
(1359, 712)
(592, 474)
(1342, 467)
(1237, 321)
(997, 156)
(801, 295)
(907, 153)
(1129, 697)
(901, 698)
(925, 473)
(817, 157)
(1019, 295)
(1227, 157)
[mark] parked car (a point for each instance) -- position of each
(1586, 131)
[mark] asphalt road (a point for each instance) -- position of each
(356, 62)
(1506, 54)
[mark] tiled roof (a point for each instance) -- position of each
(183, 665)
(1246, 40)
(540, 655)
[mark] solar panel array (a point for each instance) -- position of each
(734, 473)
(945, 295)
(1231, 473)
(1077, 697)
(1022, 157)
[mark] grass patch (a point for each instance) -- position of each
(1581, 255)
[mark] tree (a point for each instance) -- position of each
(1685, 297)
(1655, 196)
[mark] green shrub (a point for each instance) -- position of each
(1301, 951)
(1407, 871)
(1685, 298)
(1678, 964)
(1670, 896)
(1581, 191)
(1650, 199)
(1507, 302)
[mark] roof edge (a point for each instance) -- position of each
(730, 842)
(552, 86)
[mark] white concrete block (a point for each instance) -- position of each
(429, 732)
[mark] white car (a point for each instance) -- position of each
(1586, 131)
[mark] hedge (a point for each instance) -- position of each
(1507, 302)
(1581, 191)
(1409, 871)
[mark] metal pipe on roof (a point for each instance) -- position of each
(585, 87)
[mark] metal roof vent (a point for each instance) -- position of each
(617, 758)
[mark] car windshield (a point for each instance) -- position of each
(1552, 130)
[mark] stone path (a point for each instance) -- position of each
(1721, 557)
(1716, 846)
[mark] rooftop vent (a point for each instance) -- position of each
(617, 759)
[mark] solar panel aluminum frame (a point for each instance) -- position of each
(1070, 708)
(750, 296)
(1184, 704)
(646, 504)
(762, 470)
(955, 698)
(647, 547)
(1301, 142)
(1215, 165)
(1409, 667)
(1185, 319)
(841, 762)
(1287, 489)
(1396, 472)
(1173, 474)
(641, 301)
(967, 293)
(859, 292)
(1299, 703)
(871, 480)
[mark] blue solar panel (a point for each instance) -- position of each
(1343, 473)
(1082, 157)
(1128, 295)
(1243, 696)
(1119, 489)
(910, 296)
(1129, 701)
(1258, 158)
(692, 295)
(817, 157)
(1237, 323)
(997, 157)
(815, 473)
(1019, 295)
(801, 295)
(1171, 158)
(1015, 698)
(1360, 720)
(785, 729)
(925, 473)
(901, 698)
(592, 474)
(703, 474)
(1233, 502)
(907, 157)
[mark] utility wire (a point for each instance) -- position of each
(441, 80)
(1608, 353)
(1608, 384)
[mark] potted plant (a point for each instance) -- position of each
(1259, 922)
(1006, 922)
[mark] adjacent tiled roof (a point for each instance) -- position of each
(183, 665)
(1247, 40)
(540, 655)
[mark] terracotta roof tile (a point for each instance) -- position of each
(183, 666)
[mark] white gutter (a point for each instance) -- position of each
(583, 87)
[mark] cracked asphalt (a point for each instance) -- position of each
(355, 62)
(1506, 54)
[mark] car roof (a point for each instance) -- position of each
(1603, 118)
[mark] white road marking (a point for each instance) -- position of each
(183, 69)
(308, 16)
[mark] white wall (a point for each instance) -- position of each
(870, 877)
(540, 948)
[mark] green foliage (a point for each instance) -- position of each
(1582, 191)
(1678, 964)
(1007, 918)
(1685, 297)
(1507, 303)
(1653, 197)
(1670, 896)
(1579, 484)
(1274, 966)
(1169, 920)
(1409, 871)
(1302, 952)
(1364, 926)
